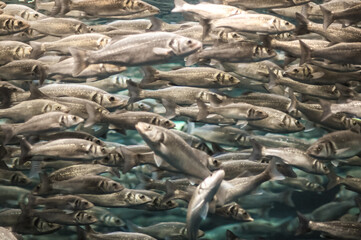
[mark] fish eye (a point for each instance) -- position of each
(74, 118)
(141, 196)
(234, 35)
(90, 217)
(98, 142)
(36, 15)
(103, 150)
(319, 148)
(112, 99)
(169, 203)
(287, 23)
(20, 23)
(140, 4)
(189, 42)
(114, 185)
(325, 167)
(295, 70)
(58, 108)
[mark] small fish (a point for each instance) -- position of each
(10, 25)
(91, 234)
(351, 183)
(13, 50)
(348, 16)
(199, 204)
(61, 217)
(64, 202)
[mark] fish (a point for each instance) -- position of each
(64, 202)
(199, 204)
(264, 4)
(23, 11)
(14, 50)
(104, 8)
(207, 10)
(164, 47)
(61, 217)
(10, 25)
(89, 233)
(337, 229)
(348, 16)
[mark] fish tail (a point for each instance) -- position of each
(35, 168)
(170, 108)
(130, 161)
(206, 25)
(149, 75)
(192, 59)
(302, 26)
(305, 52)
(115, 171)
(272, 79)
(169, 192)
(214, 100)
(143, 179)
(303, 224)
(132, 226)
(266, 40)
(80, 60)
(287, 198)
(8, 131)
(134, 91)
(61, 7)
(81, 233)
(333, 180)
(32, 200)
(230, 235)
(272, 171)
(38, 49)
(257, 152)
(5, 97)
(294, 102)
(178, 6)
(94, 116)
(25, 147)
(45, 184)
(327, 17)
(326, 107)
(203, 110)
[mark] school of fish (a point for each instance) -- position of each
(180, 119)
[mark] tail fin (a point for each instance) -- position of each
(130, 159)
(25, 148)
(80, 60)
(327, 17)
(170, 108)
(134, 91)
(257, 152)
(38, 49)
(94, 116)
(326, 107)
(8, 131)
(305, 52)
(272, 79)
(303, 225)
(36, 167)
(149, 75)
(266, 40)
(5, 97)
(272, 171)
(287, 198)
(178, 6)
(206, 27)
(192, 59)
(215, 101)
(230, 235)
(35, 93)
(203, 110)
(333, 180)
(156, 24)
(115, 172)
(61, 7)
(294, 102)
(302, 26)
(45, 185)
(32, 200)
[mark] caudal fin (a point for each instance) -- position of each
(333, 180)
(170, 108)
(134, 91)
(61, 7)
(38, 49)
(326, 109)
(327, 17)
(25, 149)
(305, 53)
(257, 152)
(149, 75)
(303, 225)
(94, 116)
(294, 102)
(80, 60)
(302, 24)
(8, 131)
(203, 110)
(178, 6)
(272, 171)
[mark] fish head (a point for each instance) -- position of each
(225, 78)
(135, 198)
(69, 120)
(140, 6)
(254, 113)
(320, 167)
(52, 107)
(213, 163)
(22, 52)
(292, 124)
(139, 106)
(184, 46)
(158, 203)
(322, 149)
(281, 25)
(31, 15)
(226, 36)
(151, 134)
(103, 41)
(166, 123)
(80, 203)
(42, 226)
(84, 217)
(334, 92)
(18, 178)
(296, 72)
(112, 221)
(212, 181)
(80, 28)
(315, 187)
(110, 186)
(16, 24)
(260, 52)
(111, 101)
